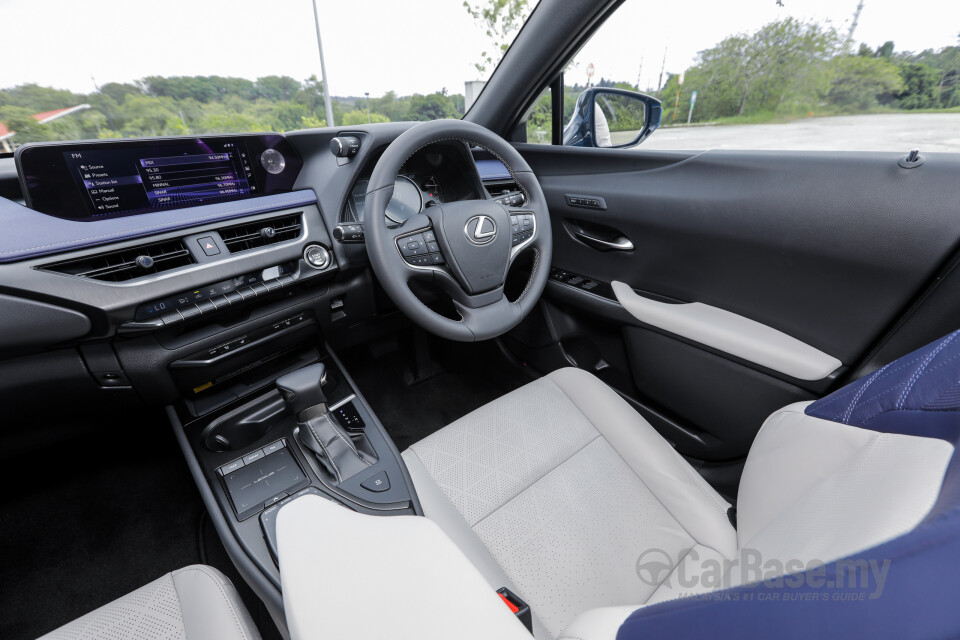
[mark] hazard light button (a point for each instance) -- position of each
(209, 246)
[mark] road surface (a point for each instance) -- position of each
(883, 132)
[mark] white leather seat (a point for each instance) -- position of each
(563, 493)
(193, 603)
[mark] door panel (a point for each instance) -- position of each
(828, 249)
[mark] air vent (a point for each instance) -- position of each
(252, 235)
(127, 264)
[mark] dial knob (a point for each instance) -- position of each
(273, 161)
(345, 146)
(317, 256)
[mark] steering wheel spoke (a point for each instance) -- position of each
(523, 229)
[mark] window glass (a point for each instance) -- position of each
(70, 70)
(817, 74)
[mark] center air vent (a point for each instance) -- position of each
(251, 235)
(127, 264)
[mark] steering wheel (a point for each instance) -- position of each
(465, 248)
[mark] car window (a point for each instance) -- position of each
(248, 65)
(819, 75)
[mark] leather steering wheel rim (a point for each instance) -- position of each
(472, 273)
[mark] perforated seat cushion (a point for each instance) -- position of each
(196, 602)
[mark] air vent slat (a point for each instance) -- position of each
(126, 264)
(253, 235)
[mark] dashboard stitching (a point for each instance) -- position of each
(170, 226)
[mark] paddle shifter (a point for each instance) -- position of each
(316, 430)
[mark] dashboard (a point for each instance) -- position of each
(163, 261)
(95, 180)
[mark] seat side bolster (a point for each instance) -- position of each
(211, 606)
(684, 493)
(438, 508)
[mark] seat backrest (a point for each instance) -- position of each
(866, 480)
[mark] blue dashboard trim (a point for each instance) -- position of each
(30, 234)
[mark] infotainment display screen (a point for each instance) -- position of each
(94, 180)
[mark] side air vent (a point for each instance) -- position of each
(252, 235)
(127, 264)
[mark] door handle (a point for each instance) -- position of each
(618, 244)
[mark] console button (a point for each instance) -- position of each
(209, 245)
(377, 483)
(275, 499)
(276, 446)
(247, 293)
(220, 302)
(253, 457)
(259, 288)
(233, 297)
(412, 245)
(231, 467)
(171, 317)
(206, 306)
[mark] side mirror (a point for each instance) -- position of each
(612, 118)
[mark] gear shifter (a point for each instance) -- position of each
(316, 431)
(302, 392)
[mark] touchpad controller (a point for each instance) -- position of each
(260, 479)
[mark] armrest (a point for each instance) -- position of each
(358, 577)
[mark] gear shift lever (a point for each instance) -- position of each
(315, 430)
(302, 393)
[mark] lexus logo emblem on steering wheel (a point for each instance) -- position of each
(481, 230)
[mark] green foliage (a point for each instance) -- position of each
(920, 84)
(360, 116)
(159, 106)
(431, 107)
(500, 20)
(858, 83)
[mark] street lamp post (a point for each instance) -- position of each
(323, 69)
(366, 94)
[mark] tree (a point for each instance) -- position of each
(920, 84)
(359, 116)
(431, 107)
(500, 20)
(277, 88)
(858, 83)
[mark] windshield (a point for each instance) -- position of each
(132, 69)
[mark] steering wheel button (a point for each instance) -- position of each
(515, 240)
(527, 222)
(433, 247)
(436, 258)
(428, 236)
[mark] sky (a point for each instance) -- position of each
(408, 46)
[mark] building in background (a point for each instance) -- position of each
(6, 136)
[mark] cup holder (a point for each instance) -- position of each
(246, 424)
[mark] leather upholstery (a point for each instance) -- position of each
(564, 486)
(193, 603)
(564, 489)
(352, 576)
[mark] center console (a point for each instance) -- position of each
(260, 452)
